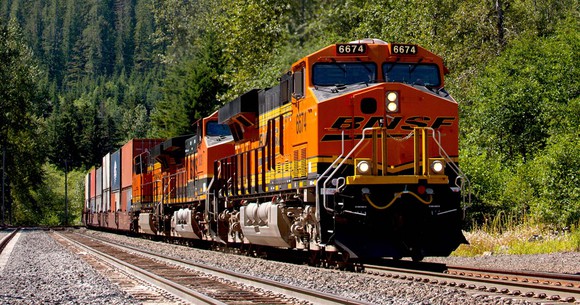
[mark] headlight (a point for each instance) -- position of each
(363, 167)
(437, 167)
(392, 101)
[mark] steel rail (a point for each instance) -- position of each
(567, 283)
(503, 281)
(288, 290)
(178, 290)
(4, 242)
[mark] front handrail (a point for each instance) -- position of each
(338, 167)
(461, 181)
(461, 178)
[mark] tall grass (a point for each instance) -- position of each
(506, 234)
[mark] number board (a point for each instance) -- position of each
(351, 49)
(404, 49)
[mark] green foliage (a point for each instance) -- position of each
(190, 91)
(521, 130)
(557, 180)
(250, 44)
(135, 124)
(21, 101)
(51, 195)
(117, 69)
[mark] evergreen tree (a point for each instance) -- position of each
(190, 91)
(21, 101)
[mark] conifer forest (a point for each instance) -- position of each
(80, 78)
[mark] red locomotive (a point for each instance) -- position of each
(352, 156)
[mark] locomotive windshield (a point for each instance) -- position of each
(329, 74)
(216, 129)
(418, 74)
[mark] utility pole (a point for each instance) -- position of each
(65, 192)
(3, 180)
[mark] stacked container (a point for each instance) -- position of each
(93, 190)
(87, 204)
(108, 189)
(115, 186)
(107, 183)
(87, 192)
(99, 193)
(127, 154)
(116, 181)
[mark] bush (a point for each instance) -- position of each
(557, 178)
(522, 143)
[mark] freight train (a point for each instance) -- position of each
(353, 156)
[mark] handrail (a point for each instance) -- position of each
(461, 177)
(338, 166)
(321, 176)
(461, 181)
(207, 192)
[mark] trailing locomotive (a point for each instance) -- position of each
(352, 156)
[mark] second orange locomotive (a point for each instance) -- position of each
(352, 156)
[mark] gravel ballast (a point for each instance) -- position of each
(41, 271)
(358, 286)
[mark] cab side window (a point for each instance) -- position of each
(298, 81)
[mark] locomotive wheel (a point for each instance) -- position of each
(329, 261)
(343, 261)
(417, 254)
(314, 258)
(358, 267)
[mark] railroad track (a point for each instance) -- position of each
(197, 283)
(6, 250)
(552, 287)
(4, 242)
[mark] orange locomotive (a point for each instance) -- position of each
(352, 156)
(353, 153)
(171, 200)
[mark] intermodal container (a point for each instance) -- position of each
(129, 151)
(87, 190)
(107, 200)
(126, 197)
(116, 171)
(93, 183)
(99, 204)
(99, 181)
(107, 171)
(115, 197)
